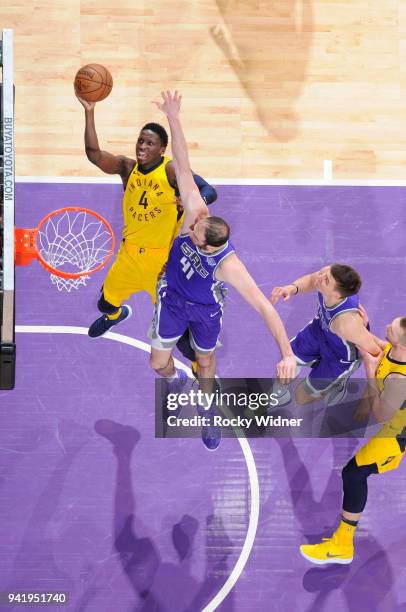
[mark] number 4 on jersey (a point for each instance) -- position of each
(187, 267)
(143, 200)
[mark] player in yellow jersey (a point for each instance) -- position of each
(386, 400)
(152, 219)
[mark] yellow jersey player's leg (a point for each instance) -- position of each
(152, 218)
(387, 397)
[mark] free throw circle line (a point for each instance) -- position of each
(245, 447)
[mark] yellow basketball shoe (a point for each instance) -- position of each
(330, 550)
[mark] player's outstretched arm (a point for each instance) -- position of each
(349, 327)
(111, 164)
(234, 273)
(303, 284)
(193, 203)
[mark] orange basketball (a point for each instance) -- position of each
(93, 82)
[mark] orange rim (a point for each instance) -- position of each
(20, 248)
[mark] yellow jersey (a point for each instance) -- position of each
(149, 208)
(396, 427)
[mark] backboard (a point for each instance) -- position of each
(7, 195)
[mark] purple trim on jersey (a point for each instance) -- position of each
(190, 272)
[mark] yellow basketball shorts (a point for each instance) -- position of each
(134, 269)
(385, 452)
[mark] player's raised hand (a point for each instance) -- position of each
(86, 105)
(286, 369)
(170, 104)
(282, 292)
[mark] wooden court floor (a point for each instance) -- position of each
(271, 87)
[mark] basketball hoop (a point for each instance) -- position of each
(70, 243)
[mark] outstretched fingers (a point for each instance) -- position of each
(170, 103)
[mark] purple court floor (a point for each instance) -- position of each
(94, 505)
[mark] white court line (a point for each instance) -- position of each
(311, 182)
(328, 170)
(245, 447)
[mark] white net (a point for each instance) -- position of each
(74, 241)
(68, 283)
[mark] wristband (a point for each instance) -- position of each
(297, 287)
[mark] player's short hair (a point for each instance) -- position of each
(217, 231)
(159, 130)
(348, 281)
(402, 323)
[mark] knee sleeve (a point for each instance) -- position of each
(105, 307)
(355, 485)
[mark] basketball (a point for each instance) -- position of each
(93, 82)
